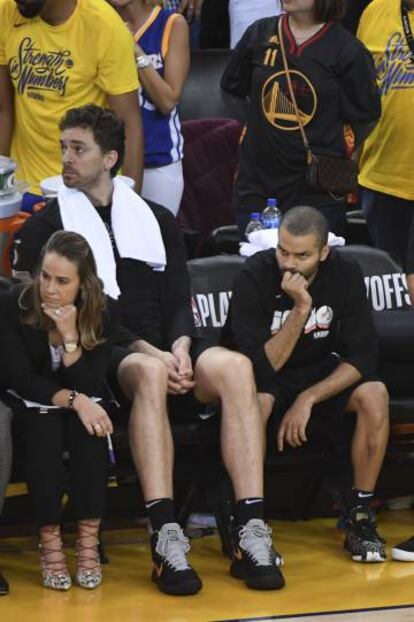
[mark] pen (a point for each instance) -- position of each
(110, 449)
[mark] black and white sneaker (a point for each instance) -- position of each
(172, 572)
(404, 552)
(254, 558)
(361, 538)
(4, 586)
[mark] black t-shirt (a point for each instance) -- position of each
(333, 76)
(104, 212)
(155, 305)
(339, 324)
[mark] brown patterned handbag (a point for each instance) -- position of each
(335, 175)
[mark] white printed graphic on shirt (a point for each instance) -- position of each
(210, 310)
(319, 321)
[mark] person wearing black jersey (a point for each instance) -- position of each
(142, 260)
(301, 315)
(333, 77)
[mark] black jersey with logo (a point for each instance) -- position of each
(339, 323)
(333, 76)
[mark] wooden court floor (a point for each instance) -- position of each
(320, 580)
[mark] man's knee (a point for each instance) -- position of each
(237, 368)
(371, 396)
(142, 372)
(371, 403)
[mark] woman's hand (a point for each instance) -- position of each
(92, 415)
(191, 8)
(65, 319)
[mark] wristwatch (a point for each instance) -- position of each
(71, 346)
(142, 61)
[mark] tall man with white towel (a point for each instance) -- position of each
(141, 260)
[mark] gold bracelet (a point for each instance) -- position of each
(72, 396)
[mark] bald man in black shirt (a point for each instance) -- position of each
(301, 315)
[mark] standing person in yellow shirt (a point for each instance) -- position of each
(386, 28)
(55, 56)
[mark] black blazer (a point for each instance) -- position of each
(25, 361)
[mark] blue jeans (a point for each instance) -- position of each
(389, 222)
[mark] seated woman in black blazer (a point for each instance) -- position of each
(56, 334)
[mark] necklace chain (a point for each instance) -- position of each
(300, 37)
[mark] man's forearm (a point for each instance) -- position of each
(127, 108)
(144, 347)
(6, 124)
(6, 111)
(134, 156)
(344, 376)
(280, 346)
(183, 342)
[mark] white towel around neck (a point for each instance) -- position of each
(136, 230)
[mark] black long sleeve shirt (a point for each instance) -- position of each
(26, 365)
(340, 320)
(333, 76)
(155, 305)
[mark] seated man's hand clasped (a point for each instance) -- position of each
(180, 373)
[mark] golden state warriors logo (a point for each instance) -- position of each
(277, 105)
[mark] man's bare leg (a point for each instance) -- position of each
(228, 376)
(266, 404)
(370, 403)
(143, 379)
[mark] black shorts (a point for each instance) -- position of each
(183, 407)
(328, 415)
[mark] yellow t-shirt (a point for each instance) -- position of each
(55, 68)
(388, 155)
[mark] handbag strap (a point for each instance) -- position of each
(309, 154)
(405, 18)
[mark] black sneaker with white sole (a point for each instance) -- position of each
(4, 586)
(404, 552)
(362, 540)
(172, 572)
(254, 559)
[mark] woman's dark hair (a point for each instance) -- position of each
(91, 301)
(107, 129)
(330, 10)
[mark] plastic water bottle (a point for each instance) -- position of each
(271, 215)
(254, 223)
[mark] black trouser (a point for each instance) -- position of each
(45, 436)
(390, 223)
